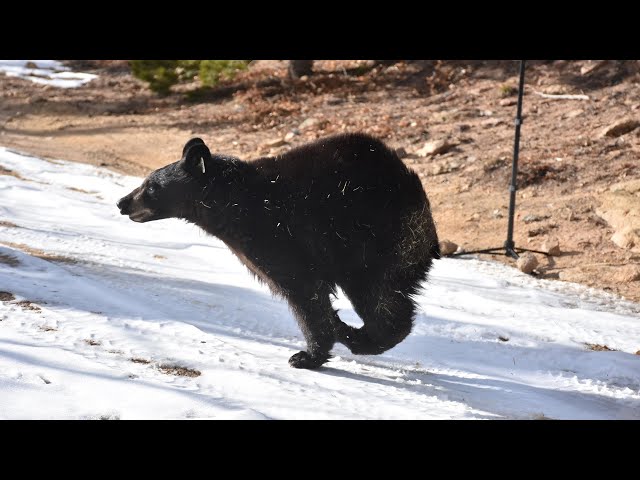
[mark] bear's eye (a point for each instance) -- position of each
(151, 189)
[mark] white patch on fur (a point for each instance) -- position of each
(202, 165)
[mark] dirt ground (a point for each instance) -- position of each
(568, 165)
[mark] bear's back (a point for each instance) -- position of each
(355, 155)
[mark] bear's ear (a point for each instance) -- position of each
(191, 143)
(197, 159)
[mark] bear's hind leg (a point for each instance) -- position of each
(387, 314)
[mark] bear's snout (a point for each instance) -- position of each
(124, 204)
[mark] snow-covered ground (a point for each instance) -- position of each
(46, 72)
(112, 305)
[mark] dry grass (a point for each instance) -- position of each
(179, 371)
(599, 348)
(9, 260)
(143, 361)
(47, 328)
(35, 252)
(29, 305)
(6, 297)
(8, 224)
(417, 230)
(11, 173)
(75, 189)
(537, 172)
(92, 342)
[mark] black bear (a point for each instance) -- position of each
(343, 210)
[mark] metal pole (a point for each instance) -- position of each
(509, 245)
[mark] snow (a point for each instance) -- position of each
(45, 72)
(110, 290)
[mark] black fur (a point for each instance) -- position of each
(343, 210)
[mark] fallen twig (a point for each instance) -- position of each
(562, 97)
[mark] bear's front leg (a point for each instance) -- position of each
(312, 308)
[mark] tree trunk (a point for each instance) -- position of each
(298, 68)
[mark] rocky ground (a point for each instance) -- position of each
(579, 164)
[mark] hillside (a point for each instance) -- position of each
(580, 169)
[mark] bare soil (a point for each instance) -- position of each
(566, 161)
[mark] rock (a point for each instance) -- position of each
(447, 247)
(435, 147)
(534, 218)
(551, 246)
(444, 116)
(627, 273)
(573, 113)
(628, 238)
(463, 127)
(506, 102)
(592, 66)
(290, 135)
(444, 167)
(334, 101)
(465, 187)
(555, 90)
(534, 232)
(491, 122)
(401, 152)
(30, 65)
(492, 165)
(308, 123)
(620, 208)
(620, 127)
(632, 187)
(527, 263)
(276, 142)
(497, 213)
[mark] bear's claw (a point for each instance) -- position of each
(305, 360)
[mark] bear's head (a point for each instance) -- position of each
(169, 191)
